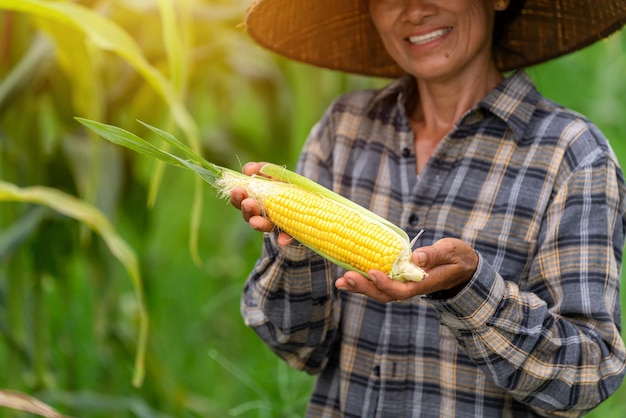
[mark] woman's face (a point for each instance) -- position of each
(436, 39)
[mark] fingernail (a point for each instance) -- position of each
(351, 282)
(421, 258)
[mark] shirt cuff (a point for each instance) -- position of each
(475, 304)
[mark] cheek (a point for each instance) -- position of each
(377, 19)
(383, 16)
(480, 23)
(474, 34)
(384, 27)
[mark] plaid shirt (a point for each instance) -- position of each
(537, 192)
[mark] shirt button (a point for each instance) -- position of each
(406, 152)
(414, 219)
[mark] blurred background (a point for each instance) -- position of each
(147, 241)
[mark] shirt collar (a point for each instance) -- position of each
(513, 101)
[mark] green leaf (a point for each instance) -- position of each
(176, 38)
(29, 69)
(108, 36)
(129, 140)
(208, 171)
(13, 236)
(89, 215)
(191, 154)
(172, 140)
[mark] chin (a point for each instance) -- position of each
(431, 72)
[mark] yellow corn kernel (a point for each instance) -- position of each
(351, 238)
(331, 229)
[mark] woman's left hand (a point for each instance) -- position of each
(450, 264)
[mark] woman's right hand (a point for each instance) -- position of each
(250, 209)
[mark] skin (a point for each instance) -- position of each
(454, 70)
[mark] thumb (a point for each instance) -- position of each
(444, 251)
(423, 257)
(450, 256)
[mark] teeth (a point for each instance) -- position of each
(419, 40)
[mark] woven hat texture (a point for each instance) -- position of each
(338, 34)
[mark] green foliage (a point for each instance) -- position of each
(69, 318)
(88, 215)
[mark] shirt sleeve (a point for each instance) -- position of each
(290, 299)
(555, 344)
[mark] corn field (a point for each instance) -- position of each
(119, 277)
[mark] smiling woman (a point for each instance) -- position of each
(436, 39)
(519, 198)
(544, 30)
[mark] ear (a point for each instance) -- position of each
(500, 5)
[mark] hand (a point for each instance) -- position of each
(450, 264)
(250, 209)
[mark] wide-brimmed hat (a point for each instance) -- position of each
(338, 34)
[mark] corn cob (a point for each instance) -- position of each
(334, 227)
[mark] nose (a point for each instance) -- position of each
(415, 11)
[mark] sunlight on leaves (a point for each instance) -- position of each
(106, 35)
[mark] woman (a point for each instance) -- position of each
(521, 200)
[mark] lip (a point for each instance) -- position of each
(428, 37)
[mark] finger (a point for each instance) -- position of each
(431, 256)
(260, 223)
(237, 195)
(249, 208)
(450, 263)
(443, 252)
(356, 283)
(394, 289)
(284, 239)
(252, 214)
(253, 168)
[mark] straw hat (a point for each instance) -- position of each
(338, 34)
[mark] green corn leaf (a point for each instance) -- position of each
(89, 215)
(206, 170)
(129, 140)
(108, 36)
(176, 19)
(172, 140)
(191, 154)
(34, 62)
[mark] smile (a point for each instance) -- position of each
(431, 36)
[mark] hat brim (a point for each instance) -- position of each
(339, 35)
